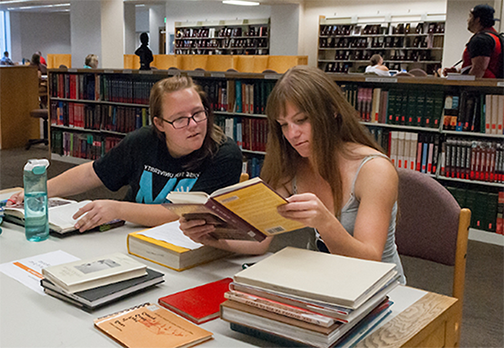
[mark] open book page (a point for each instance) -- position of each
(60, 217)
(52, 203)
(150, 325)
(257, 204)
(171, 233)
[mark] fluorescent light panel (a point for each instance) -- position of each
(240, 3)
(37, 6)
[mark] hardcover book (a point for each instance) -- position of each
(151, 326)
(344, 281)
(246, 211)
(60, 215)
(92, 299)
(91, 273)
(167, 246)
(199, 304)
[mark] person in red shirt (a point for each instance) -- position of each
(42, 60)
(482, 56)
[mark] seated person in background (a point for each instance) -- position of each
(35, 61)
(183, 150)
(377, 66)
(6, 60)
(91, 61)
(144, 52)
(335, 176)
(42, 60)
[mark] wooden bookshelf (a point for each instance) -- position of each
(19, 94)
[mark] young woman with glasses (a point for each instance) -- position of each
(183, 150)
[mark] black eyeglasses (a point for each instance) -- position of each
(182, 122)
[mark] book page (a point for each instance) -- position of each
(150, 325)
(61, 215)
(171, 233)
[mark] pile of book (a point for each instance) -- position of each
(92, 283)
(299, 297)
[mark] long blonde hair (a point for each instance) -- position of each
(214, 135)
(333, 120)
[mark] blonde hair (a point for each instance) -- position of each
(333, 120)
(214, 135)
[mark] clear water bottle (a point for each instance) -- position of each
(35, 200)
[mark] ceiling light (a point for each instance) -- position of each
(36, 6)
(241, 3)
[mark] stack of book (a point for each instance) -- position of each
(92, 283)
(300, 297)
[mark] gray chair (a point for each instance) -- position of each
(432, 226)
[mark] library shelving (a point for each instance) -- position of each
(414, 41)
(451, 130)
(228, 37)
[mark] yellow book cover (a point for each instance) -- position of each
(150, 325)
(167, 246)
(247, 210)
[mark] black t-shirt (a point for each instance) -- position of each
(142, 161)
(481, 44)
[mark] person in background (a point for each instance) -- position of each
(144, 52)
(91, 61)
(377, 66)
(483, 55)
(35, 61)
(42, 60)
(183, 150)
(6, 60)
(335, 177)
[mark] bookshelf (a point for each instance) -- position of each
(223, 37)
(413, 41)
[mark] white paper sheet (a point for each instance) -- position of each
(171, 233)
(28, 271)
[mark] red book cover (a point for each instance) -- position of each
(199, 304)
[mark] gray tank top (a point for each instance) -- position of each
(349, 215)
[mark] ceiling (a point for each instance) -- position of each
(63, 5)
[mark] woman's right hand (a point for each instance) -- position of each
(16, 198)
(198, 230)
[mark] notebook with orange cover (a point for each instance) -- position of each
(244, 211)
(199, 304)
(149, 325)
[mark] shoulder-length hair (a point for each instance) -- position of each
(214, 135)
(334, 122)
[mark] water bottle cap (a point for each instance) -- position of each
(38, 166)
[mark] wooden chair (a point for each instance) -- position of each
(432, 226)
(418, 72)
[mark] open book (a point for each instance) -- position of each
(60, 215)
(245, 211)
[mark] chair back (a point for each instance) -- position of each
(418, 72)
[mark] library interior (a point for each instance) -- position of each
(76, 79)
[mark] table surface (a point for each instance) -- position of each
(29, 319)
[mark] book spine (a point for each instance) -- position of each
(235, 220)
(280, 308)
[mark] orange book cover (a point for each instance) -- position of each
(149, 325)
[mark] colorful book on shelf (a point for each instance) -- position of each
(247, 210)
(92, 299)
(91, 273)
(290, 271)
(151, 326)
(60, 215)
(167, 246)
(199, 304)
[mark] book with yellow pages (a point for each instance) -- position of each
(244, 211)
(149, 325)
(167, 246)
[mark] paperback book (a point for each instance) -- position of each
(91, 273)
(245, 211)
(92, 299)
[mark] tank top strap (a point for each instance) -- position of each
(364, 161)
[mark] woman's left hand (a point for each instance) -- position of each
(98, 213)
(306, 208)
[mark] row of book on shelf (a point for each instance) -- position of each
(250, 133)
(123, 119)
(82, 145)
(453, 157)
